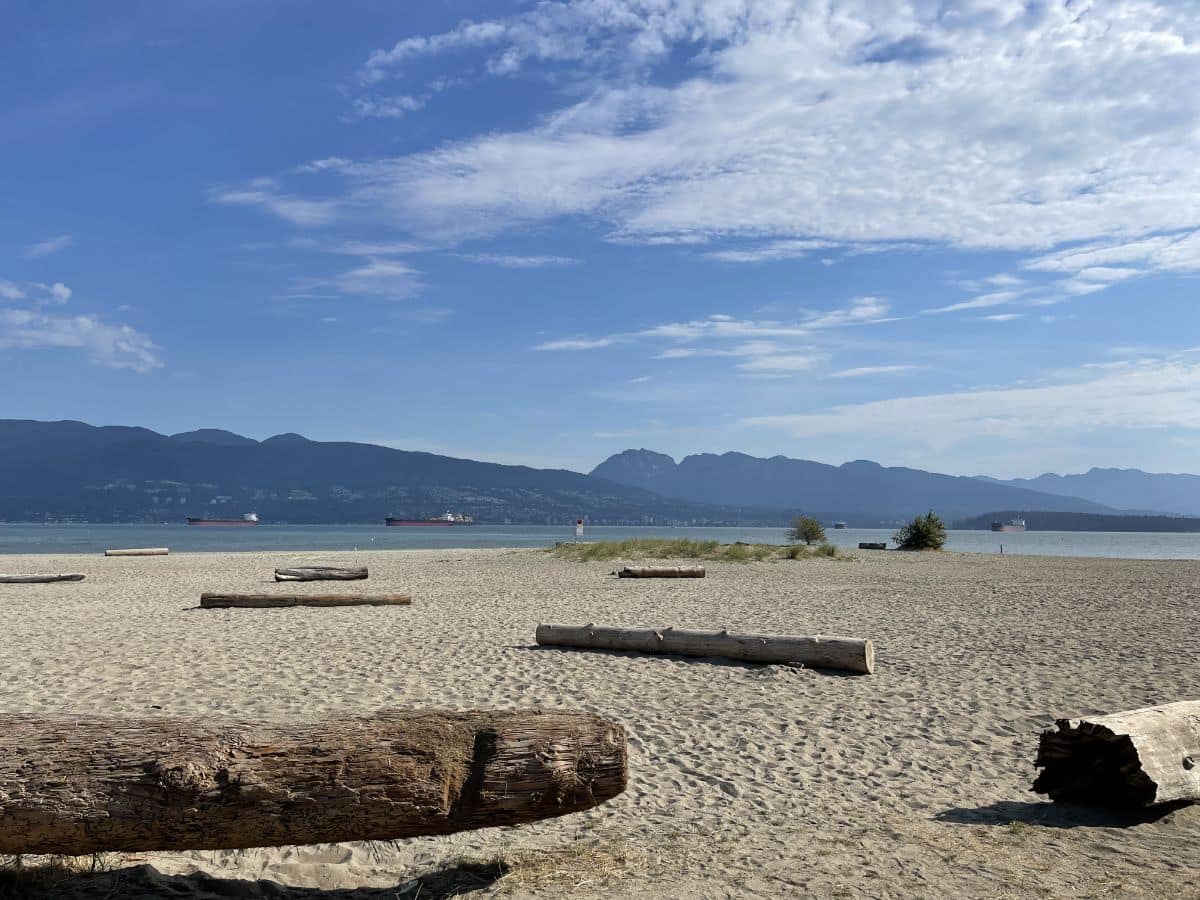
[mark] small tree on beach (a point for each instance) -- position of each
(927, 532)
(806, 529)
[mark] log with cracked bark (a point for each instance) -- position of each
(661, 572)
(275, 601)
(139, 551)
(1138, 758)
(76, 785)
(321, 573)
(40, 578)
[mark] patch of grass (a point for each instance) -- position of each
(22, 878)
(685, 548)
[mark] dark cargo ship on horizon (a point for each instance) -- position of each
(445, 520)
(247, 519)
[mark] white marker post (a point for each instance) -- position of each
(579, 528)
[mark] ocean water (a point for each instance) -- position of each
(19, 538)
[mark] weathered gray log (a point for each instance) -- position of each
(321, 573)
(661, 572)
(39, 578)
(77, 785)
(1137, 758)
(271, 601)
(139, 551)
(872, 545)
(847, 654)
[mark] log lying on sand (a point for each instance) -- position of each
(139, 551)
(76, 785)
(271, 601)
(1137, 758)
(40, 578)
(661, 572)
(321, 573)
(848, 654)
(872, 545)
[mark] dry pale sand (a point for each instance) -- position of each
(747, 781)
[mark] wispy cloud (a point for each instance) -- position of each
(865, 371)
(385, 107)
(512, 261)
(995, 298)
(48, 246)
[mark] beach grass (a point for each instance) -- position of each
(685, 548)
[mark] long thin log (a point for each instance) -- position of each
(139, 551)
(872, 545)
(84, 785)
(848, 654)
(1137, 758)
(40, 578)
(272, 601)
(321, 573)
(661, 572)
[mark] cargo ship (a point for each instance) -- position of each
(448, 518)
(839, 524)
(1010, 525)
(247, 519)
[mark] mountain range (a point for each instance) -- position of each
(75, 471)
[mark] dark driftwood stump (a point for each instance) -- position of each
(321, 573)
(84, 785)
(1138, 758)
(40, 578)
(273, 601)
(661, 572)
(872, 545)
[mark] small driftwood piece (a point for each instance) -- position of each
(847, 654)
(272, 601)
(76, 785)
(321, 573)
(872, 545)
(661, 572)
(40, 578)
(1137, 758)
(139, 551)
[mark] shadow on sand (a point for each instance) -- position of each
(144, 882)
(1056, 815)
(751, 665)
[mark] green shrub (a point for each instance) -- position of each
(806, 529)
(927, 532)
(827, 550)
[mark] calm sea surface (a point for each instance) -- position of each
(96, 538)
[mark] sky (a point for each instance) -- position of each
(958, 235)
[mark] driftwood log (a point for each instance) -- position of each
(661, 572)
(872, 545)
(139, 551)
(1138, 758)
(272, 601)
(40, 578)
(76, 785)
(848, 654)
(321, 573)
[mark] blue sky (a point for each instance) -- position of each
(959, 235)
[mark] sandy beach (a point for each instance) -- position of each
(746, 780)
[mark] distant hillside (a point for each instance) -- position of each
(70, 470)
(857, 491)
(1066, 521)
(1122, 489)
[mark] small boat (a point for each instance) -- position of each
(839, 524)
(247, 519)
(446, 519)
(1009, 526)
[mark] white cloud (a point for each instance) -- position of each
(995, 298)
(863, 371)
(842, 120)
(48, 246)
(577, 344)
(1003, 317)
(385, 107)
(1142, 394)
(512, 261)
(771, 252)
(114, 346)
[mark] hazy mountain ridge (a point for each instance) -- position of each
(859, 488)
(70, 470)
(1175, 493)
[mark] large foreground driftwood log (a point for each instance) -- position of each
(83, 785)
(271, 601)
(848, 654)
(661, 572)
(321, 573)
(1137, 758)
(40, 578)
(139, 551)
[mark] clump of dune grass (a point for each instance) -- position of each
(24, 878)
(686, 548)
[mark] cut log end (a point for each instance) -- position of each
(1131, 759)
